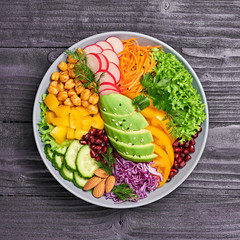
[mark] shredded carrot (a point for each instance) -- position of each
(135, 61)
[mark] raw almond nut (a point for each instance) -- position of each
(98, 191)
(92, 182)
(101, 173)
(110, 182)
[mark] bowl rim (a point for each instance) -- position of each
(133, 204)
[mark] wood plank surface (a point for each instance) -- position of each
(33, 205)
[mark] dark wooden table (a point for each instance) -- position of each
(33, 205)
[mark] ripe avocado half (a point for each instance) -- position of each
(142, 136)
(116, 103)
(147, 158)
(137, 150)
(134, 121)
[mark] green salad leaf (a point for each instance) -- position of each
(169, 86)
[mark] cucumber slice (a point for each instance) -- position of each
(49, 153)
(57, 161)
(78, 180)
(85, 164)
(66, 173)
(60, 151)
(71, 154)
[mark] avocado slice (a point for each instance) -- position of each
(116, 103)
(129, 149)
(142, 136)
(134, 121)
(147, 158)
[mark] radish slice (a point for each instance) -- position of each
(94, 62)
(116, 43)
(115, 71)
(104, 45)
(108, 91)
(106, 77)
(92, 49)
(109, 86)
(111, 56)
(105, 62)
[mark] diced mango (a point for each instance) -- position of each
(61, 121)
(51, 101)
(87, 123)
(59, 133)
(79, 133)
(98, 121)
(75, 119)
(50, 116)
(70, 133)
(62, 111)
(82, 111)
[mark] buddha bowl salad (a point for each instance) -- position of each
(120, 119)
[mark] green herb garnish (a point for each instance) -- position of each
(82, 71)
(110, 161)
(124, 192)
(169, 86)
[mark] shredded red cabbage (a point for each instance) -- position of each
(140, 176)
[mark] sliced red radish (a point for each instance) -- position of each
(104, 86)
(104, 45)
(116, 43)
(106, 77)
(105, 62)
(92, 49)
(111, 56)
(115, 71)
(108, 91)
(94, 62)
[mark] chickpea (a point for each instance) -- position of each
(70, 66)
(64, 77)
(69, 84)
(62, 66)
(62, 96)
(52, 90)
(71, 73)
(76, 100)
(68, 102)
(53, 84)
(85, 103)
(71, 60)
(85, 94)
(60, 87)
(79, 87)
(92, 109)
(55, 76)
(71, 92)
(93, 99)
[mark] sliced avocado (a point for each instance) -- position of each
(147, 158)
(142, 136)
(134, 121)
(116, 103)
(129, 149)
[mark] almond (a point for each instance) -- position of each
(98, 191)
(92, 182)
(101, 173)
(110, 183)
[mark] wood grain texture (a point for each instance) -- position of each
(33, 205)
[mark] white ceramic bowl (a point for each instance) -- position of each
(166, 188)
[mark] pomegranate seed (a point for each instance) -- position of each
(192, 141)
(98, 157)
(182, 164)
(103, 144)
(99, 132)
(98, 148)
(182, 155)
(171, 174)
(169, 179)
(195, 135)
(105, 138)
(88, 142)
(175, 164)
(191, 149)
(176, 143)
(86, 137)
(178, 149)
(200, 129)
(187, 144)
(104, 161)
(92, 153)
(186, 152)
(104, 149)
(179, 160)
(176, 155)
(84, 142)
(98, 151)
(92, 146)
(187, 158)
(92, 139)
(92, 131)
(174, 170)
(182, 144)
(98, 141)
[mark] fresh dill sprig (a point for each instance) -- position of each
(124, 192)
(109, 159)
